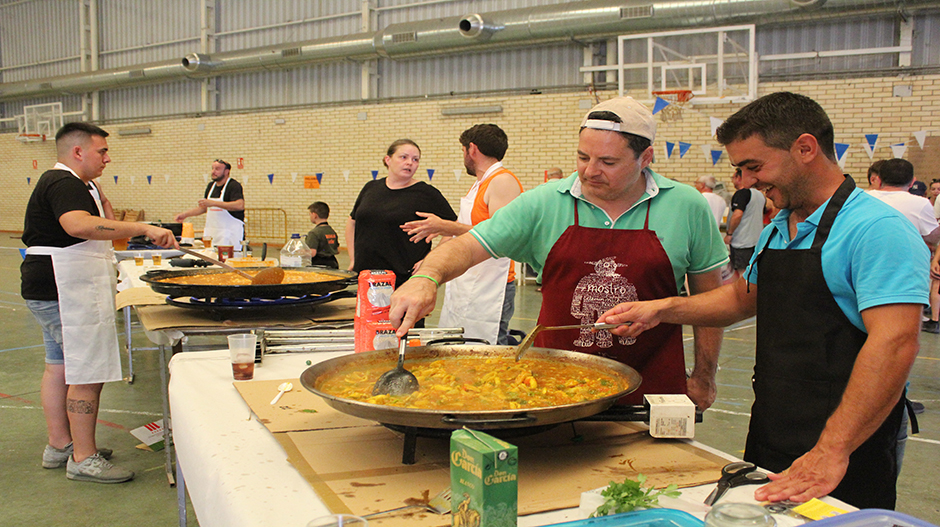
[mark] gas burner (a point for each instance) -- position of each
(248, 305)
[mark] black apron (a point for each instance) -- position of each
(806, 348)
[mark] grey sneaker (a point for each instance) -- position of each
(97, 469)
(53, 457)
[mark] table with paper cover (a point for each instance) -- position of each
(247, 462)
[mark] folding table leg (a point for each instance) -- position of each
(167, 434)
(128, 345)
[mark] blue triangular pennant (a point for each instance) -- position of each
(716, 155)
(375, 174)
(149, 180)
(271, 178)
(29, 180)
(659, 105)
(841, 148)
(669, 148)
(319, 177)
(115, 180)
(683, 148)
(430, 174)
(872, 139)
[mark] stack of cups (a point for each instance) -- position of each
(373, 331)
(188, 235)
(241, 347)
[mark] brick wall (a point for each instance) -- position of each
(542, 133)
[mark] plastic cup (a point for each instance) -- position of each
(120, 244)
(739, 515)
(207, 241)
(339, 520)
(139, 259)
(241, 347)
(157, 259)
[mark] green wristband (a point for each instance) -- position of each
(438, 284)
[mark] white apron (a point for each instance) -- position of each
(474, 300)
(85, 278)
(224, 228)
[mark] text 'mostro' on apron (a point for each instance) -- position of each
(589, 271)
(224, 228)
(85, 278)
(474, 300)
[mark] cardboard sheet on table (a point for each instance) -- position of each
(297, 410)
(139, 296)
(359, 469)
(165, 316)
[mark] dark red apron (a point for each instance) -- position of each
(806, 349)
(589, 271)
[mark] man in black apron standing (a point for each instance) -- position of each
(841, 289)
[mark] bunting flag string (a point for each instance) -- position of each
(166, 178)
(715, 123)
(899, 149)
(683, 148)
(271, 179)
(872, 140)
(247, 178)
(29, 180)
(430, 174)
(319, 177)
(669, 148)
(457, 174)
(706, 151)
(293, 177)
(205, 178)
(921, 137)
(841, 149)
(869, 149)
(133, 179)
(115, 180)
(716, 155)
(346, 175)
(375, 175)
(150, 180)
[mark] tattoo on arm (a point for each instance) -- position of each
(78, 406)
(103, 228)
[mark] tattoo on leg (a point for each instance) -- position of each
(78, 406)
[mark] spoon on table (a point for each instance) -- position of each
(284, 387)
(398, 381)
(271, 275)
(530, 338)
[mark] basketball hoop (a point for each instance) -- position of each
(30, 138)
(677, 100)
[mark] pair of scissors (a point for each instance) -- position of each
(734, 475)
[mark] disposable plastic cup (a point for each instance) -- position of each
(139, 259)
(739, 515)
(339, 520)
(157, 259)
(120, 244)
(207, 241)
(241, 347)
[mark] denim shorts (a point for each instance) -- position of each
(47, 314)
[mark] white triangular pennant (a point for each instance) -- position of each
(293, 177)
(707, 150)
(921, 136)
(246, 179)
(346, 174)
(133, 179)
(869, 151)
(205, 178)
(457, 173)
(842, 162)
(715, 122)
(166, 178)
(898, 150)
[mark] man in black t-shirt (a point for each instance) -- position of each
(224, 206)
(67, 284)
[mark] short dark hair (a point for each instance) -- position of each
(637, 144)
(392, 148)
(84, 129)
(489, 138)
(896, 172)
(228, 166)
(779, 119)
(320, 209)
(875, 169)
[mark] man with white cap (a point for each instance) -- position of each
(613, 231)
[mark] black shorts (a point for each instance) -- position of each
(741, 257)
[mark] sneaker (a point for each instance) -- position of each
(97, 469)
(53, 457)
(931, 326)
(918, 407)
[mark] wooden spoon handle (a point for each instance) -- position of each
(216, 262)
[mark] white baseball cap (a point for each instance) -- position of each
(636, 118)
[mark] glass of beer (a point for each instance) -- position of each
(157, 258)
(206, 241)
(241, 347)
(139, 259)
(120, 244)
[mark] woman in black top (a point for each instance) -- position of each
(373, 232)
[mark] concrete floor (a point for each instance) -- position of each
(34, 496)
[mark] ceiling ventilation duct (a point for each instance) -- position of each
(475, 32)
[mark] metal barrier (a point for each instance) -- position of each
(266, 225)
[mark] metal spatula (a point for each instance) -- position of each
(530, 338)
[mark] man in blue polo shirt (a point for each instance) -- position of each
(615, 231)
(838, 301)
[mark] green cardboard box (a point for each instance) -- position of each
(483, 477)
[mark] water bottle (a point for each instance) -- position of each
(295, 252)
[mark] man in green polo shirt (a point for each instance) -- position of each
(615, 231)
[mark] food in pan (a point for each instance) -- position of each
(290, 277)
(479, 384)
